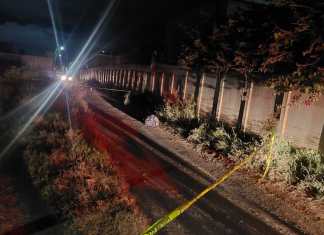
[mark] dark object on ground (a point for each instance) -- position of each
(142, 105)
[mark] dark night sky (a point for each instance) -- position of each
(27, 23)
(133, 22)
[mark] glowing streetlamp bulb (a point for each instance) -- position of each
(63, 77)
(62, 48)
(70, 78)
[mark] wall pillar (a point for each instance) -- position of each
(282, 127)
(200, 83)
(153, 77)
(128, 78)
(133, 80)
(144, 86)
(162, 84)
(172, 83)
(247, 107)
(185, 86)
(218, 97)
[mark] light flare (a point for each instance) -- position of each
(91, 42)
(50, 9)
(50, 99)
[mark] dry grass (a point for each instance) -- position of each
(79, 182)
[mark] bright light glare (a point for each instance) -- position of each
(62, 48)
(54, 92)
(50, 9)
(70, 78)
(91, 41)
(63, 77)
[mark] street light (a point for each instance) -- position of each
(62, 48)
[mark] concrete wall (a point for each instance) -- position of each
(262, 107)
(305, 124)
(299, 124)
(231, 100)
(208, 95)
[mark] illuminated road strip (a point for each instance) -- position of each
(161, 223)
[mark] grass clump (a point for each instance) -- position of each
(301, 167)
(205, 133)
(78, 182)
(224, 140)
(180, 115)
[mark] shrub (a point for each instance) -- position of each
(301, 167)
(79, 182)
(206, 133)
(224, 139)
(179, 114)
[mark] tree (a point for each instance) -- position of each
(281, 42)
(295, 51)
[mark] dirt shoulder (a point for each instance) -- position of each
(277, 204)
(11, 213)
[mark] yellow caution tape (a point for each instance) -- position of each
(269, 158)
(168, 218)
(158, 225)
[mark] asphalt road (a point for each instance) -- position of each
(161, 186)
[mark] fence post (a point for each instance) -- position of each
(172, 83)
(218, 97)
(284, 114)
(139, 80)
(247, 107)
(145, 75)
(114, 77)
(117, 77)
(162, 84)
(153, 76)
(199, 93)
(120, 75)
(123, 78)
(133, 80)
(128, 78)
(185, 86)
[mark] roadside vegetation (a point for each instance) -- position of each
(78, 182)
(209, 136)
(303, 168)
(11, 213)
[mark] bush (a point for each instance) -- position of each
(208, 134)
(179, 114)
(224, 139)
(78, 182)
(301, 167)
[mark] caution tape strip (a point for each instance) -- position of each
(158, 225)
(168, 218)
(269, 158)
